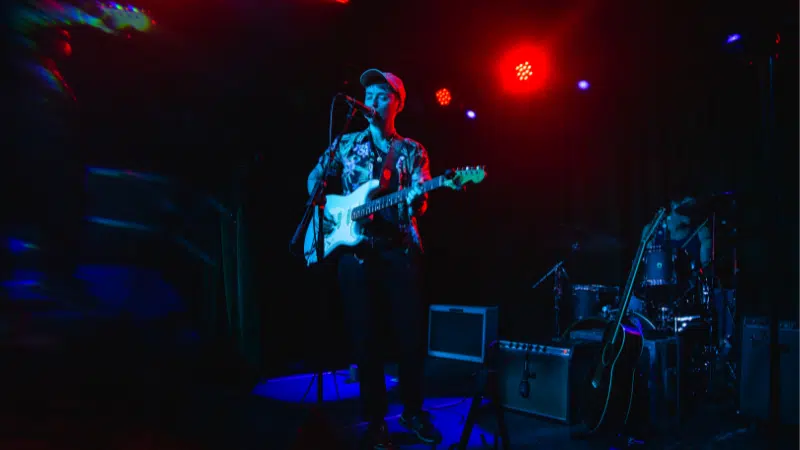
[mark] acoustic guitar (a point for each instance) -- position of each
(609, 396)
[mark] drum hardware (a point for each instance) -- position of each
(606, 312)
(665, 314)
(680, 323)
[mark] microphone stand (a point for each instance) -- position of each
(557, 271)
(316, 202)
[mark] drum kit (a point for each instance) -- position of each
(675, 295)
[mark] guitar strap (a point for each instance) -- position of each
(383, 171)
(391, 178)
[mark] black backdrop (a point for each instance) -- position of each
(670, 109)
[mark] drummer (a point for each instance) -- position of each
(684, 235)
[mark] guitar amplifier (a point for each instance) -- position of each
(754, 384)
(556, 372)
(461, 332)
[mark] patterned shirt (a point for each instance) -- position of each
(359, 160)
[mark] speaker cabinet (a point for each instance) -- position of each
(754, 384)
(461, 332)
(555, 373)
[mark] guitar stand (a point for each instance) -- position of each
(487, 385)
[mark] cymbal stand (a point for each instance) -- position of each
(712, 347)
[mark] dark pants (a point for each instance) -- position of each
(382, 292)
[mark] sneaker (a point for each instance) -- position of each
(420, 424)
(377, 437)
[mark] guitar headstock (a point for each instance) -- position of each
(460, 177)
(652, 227)
(125, 17)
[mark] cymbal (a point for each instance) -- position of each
(586, 240)
(724, 203)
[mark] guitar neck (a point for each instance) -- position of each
(392, 199)
(626, 293)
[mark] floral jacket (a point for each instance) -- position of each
(358, 160)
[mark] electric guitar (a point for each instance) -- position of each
(350, 212)
(610, 394)
(117, 17)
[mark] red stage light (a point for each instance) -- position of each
(443, 97)
(523, 69)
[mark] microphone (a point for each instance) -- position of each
(524, 384)
(366, 110)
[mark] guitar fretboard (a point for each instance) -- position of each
(392, 199)
(627, 291)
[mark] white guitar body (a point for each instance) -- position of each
(349, 212)
(347, 232)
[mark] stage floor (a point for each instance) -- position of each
(103, 389)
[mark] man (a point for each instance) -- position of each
(380, 280)
(688, 240)
(682, 234)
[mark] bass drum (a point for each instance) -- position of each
(659, 268)
(664, 267)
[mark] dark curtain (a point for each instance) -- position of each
(238, 317)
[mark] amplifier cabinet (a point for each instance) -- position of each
(461, 332)
(754, 381)
(661, 369)
(557, 373)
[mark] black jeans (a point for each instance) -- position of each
(381, 291)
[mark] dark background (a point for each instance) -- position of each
(671, 109)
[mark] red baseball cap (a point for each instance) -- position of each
(375, 76)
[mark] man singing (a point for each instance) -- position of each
(380, 280)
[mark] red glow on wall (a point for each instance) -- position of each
(523, 69)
